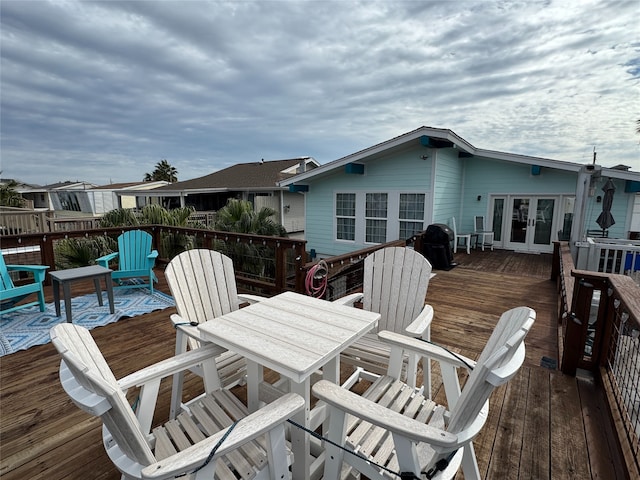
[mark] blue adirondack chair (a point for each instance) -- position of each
(135, 259)
(10, 295)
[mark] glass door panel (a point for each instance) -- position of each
(544, 221)
(498, 218)
(519, 220)
(533, 221)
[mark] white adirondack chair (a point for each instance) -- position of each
(393, 426)
(395, 285)
(203, 285)
(254, 448)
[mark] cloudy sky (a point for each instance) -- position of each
(102, 91)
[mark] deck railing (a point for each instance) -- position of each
(267, 265)
(610, 255)
(20, 221)
(600, 318)
(345, 272)
(15, 221)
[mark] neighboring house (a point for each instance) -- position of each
(83, 198)
(116, 195)
(20, 188)
(396, 188)
(68, 197)
(256, 182)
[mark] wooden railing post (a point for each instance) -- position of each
(575, 331)
(281, 268)
(47, 255)
(300, 261)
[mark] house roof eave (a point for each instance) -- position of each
(441, 134)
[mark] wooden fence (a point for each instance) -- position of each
(267, 265)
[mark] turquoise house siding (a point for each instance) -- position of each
(622, 204)
(486, 177)
(462, 181)
(404, 171)
(449, 183)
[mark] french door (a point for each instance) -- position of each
(529, 222)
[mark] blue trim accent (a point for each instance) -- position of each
(535, 169)
(631, 186)
(356, 168)
(298, 188)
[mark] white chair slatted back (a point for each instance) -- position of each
(453, 226)
(203, 284)
(396, 280)
(499, 361)
(91, 379)
(478, 223)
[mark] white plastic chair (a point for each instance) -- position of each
(203, 285)
(393, 426)
(395, 283)
(485, 237)
(248, 446)
(466, 237)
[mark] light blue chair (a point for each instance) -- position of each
(10, 295)
(135, 259)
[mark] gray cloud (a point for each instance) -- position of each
(101, 91)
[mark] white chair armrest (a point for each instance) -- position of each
(185, 327)
(170, 366)
(397, 423)
(349, 299)
(420, 325)
(247, 429)
(246, 297)
(425, 349)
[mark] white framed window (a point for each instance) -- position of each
(376, 207)
(378, 217)
(411, 214)
(346, 216)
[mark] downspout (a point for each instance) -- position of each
(583, 186)
(282, 208)
(433, 183)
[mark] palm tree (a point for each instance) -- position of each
(240, 217)
(9, 197)
(164, 171)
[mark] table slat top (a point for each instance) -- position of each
(79, 273)
(290, 333)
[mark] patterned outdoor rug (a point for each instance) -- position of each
(28, 327)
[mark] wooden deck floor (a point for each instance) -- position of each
(542, 425)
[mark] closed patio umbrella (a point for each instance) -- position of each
(605, 219)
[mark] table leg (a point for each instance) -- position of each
(66, 290)
(55, 284)
(331, 371)
(109, 284)
(96, 284)
(300, 442)
(178, 378)
(255, 377)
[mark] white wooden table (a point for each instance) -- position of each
(294, 335)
